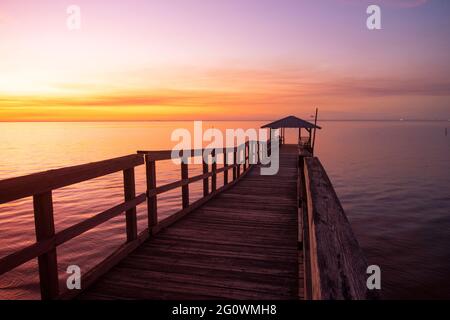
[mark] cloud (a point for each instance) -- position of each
(383, 87)
(232, 92)
(404, 3)
(269, 88)
(388, 3)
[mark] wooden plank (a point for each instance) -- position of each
(40, 183)
(45, 230)
(219, 281)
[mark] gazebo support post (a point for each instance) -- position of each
(315, 129)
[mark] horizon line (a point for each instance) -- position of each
(223, 120)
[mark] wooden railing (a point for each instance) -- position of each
(335, 267)
(41, 185)
(305, 143)
(238, 166)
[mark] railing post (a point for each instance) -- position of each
(214, 171)
(185, 188)
(225, 163)
(258, 150)
(130, 194)
(269, 146)
(205, 180)
(245, 156)
(45, 229)
(238, 162)
(152, 204)
(234, 163)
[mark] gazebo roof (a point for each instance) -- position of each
(291, 122)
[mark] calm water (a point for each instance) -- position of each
(393, 179)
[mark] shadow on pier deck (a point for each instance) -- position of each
(240, 245)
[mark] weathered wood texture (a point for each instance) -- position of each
(338, 267)
(242, 244)
(45, 230)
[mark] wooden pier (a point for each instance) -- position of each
(283, 236)
(240, 245)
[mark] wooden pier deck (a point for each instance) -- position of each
(240, 245)
(264, 237)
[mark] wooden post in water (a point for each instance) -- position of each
(45, 229)
(185, 187)
(214, 171)
(130, 194)
(152, 207)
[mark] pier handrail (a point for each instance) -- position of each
(41, 185)
(335, 264)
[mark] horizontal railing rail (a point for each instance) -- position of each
(334, 262)
(41, 185)
(22, 187)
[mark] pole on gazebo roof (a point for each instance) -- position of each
(315, 129)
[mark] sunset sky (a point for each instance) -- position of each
(223, 59)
